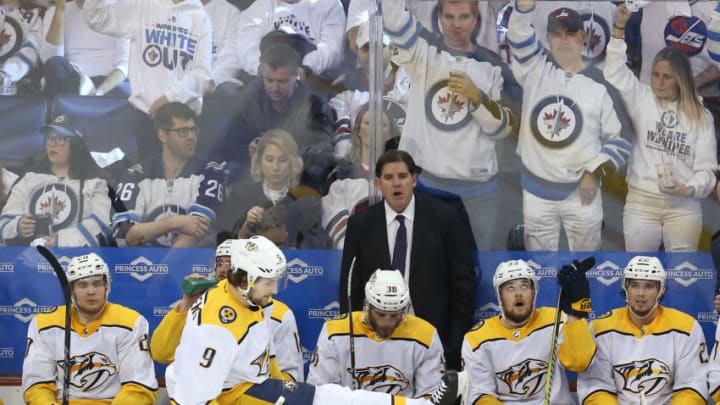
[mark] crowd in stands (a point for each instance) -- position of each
(509, 122)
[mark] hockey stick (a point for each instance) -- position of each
(586, 264)
(65, 285)
(350, 320)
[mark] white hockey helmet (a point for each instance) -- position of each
(386, 290)
(512, 270)
(86, 266)
(258, 257)
(223, 249)
(645, 268)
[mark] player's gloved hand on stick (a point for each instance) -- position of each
(575, 297)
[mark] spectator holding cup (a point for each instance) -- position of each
(675, 135)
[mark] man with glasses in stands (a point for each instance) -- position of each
(165, 200)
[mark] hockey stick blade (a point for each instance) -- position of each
(65, 285)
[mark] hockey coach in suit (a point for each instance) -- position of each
(423, 239)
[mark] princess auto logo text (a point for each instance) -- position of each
(328, 312)
(298, 270)
(24, 309)
(141, 268)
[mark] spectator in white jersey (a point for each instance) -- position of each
(674, 155)
(109, 350)
(166, 336)
(574, 129)
(170, 54)
(395, 352)
(507, 356)
(18, 53)
(169, 199)
(78, 60)
(63, 199)
(642, 353)
(226, 354)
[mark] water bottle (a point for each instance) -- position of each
(192, 286)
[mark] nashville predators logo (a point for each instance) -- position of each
(262, 362)
(90, 371)
(385, 378)
(649, 376)
(227, 314)
(526, 378)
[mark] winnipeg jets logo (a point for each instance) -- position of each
(446, 110)
(649, 376)
(384, 378)
(11, 38)
(668, 119)
(597, 33)
(90, 371)
(526, 378)
(556, 121)
(686, 33)
(562, 14)
(59, 200)
(262, 361)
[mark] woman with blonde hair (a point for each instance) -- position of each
(674, 153)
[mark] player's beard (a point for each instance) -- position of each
(519, 318)
(383, 331)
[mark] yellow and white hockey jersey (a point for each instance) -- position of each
(511, 365)
(109, 359)
(714, 369)
(409, 362)
(225, 349)
(665, 361)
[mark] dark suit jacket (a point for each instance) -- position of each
(442, 279)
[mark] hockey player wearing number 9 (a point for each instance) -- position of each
(507, 356)
(226, 354)
(110, 357)
(644, 353)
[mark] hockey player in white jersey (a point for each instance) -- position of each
(574, 128)
(110, 354)
(226, 354)
(507, 356)
(644, 353)
(283, 327)
(395, 352)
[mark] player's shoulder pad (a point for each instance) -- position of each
(120, 315)
(673, 319)
(544, 316)
(53, 316)
(417, 329)
(340, 324)
(219, 310)
(485, 331)
(280, 309)
(606, 321)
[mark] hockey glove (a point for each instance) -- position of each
(575, 299)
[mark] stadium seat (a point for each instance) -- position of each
(21, 118)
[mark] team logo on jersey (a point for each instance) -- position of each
(687, 33)
(11, 37)
(385, 378)
(445, 109)
(597, 33)
(556, 121)
(262, 362)
(162, 212)
(526, 378)
(90, 371)
(226, 314)
(58, 200)
(649, 376)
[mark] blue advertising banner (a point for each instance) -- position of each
(148, 280)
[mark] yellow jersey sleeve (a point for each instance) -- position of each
(166, 336)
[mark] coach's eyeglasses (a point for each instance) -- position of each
(183, 132)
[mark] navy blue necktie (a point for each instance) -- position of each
(400, 250)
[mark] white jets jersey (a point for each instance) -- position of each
(665, 357)
(447, 136)
(597, 16)
(223, 344)
(171, 49)
(144, 195)
(664, 134)
(109, 353)
(80, 209)
(511, 365)
(286, 340)
(571, 122)
(340, 202)
(408, 363)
